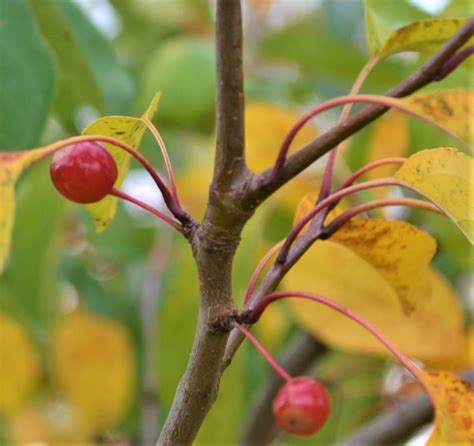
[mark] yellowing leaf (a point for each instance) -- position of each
(398, 250)
(12, 164)
(19, 365)
(433, 331)
(446, 176)
(453, 399)
(424, 36)
(266, 126)
(453, 109)
(93, 363)
(53, 422)
(129, 130)
(391, 138)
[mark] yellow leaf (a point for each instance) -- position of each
(129, 130)
(424, 36)
(433, 331)
(94, 366)
(12, 164)
(453, 109)
(391, 138)
(53, 422)
(266, 126)
(398, 250)
(19, 365)
(453, 399)
(446, 176)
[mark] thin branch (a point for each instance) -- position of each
(395, 425)
(262, 186)
(454, 62)
(259, 427)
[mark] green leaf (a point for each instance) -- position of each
(73, 64)
(113, 82)
(446, 176)
(183, 69)
(295, 43)
(31, 272)
(27, 77)
(394, 26)
(424, 36)
(383, 17)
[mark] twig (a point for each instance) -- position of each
(259, 427)
(454, 62)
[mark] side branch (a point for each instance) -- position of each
(263, 186)
(230, 161)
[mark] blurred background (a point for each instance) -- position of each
(95, 330)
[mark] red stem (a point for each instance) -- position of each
(260, 307)
(363, 170)
(164, 152)
(326, 185)
(278, 368)
(409, 202)
(265, 259)
(367, 99)
(119, 194)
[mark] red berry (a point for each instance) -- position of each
(302, 406)
(83, 172)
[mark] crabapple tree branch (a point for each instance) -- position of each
(234, 194)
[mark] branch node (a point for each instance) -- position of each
(221, 318)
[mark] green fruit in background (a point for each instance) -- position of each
(183, 70)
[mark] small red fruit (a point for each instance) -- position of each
(84, 172)
(302, 406)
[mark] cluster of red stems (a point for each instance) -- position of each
(85, 172)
